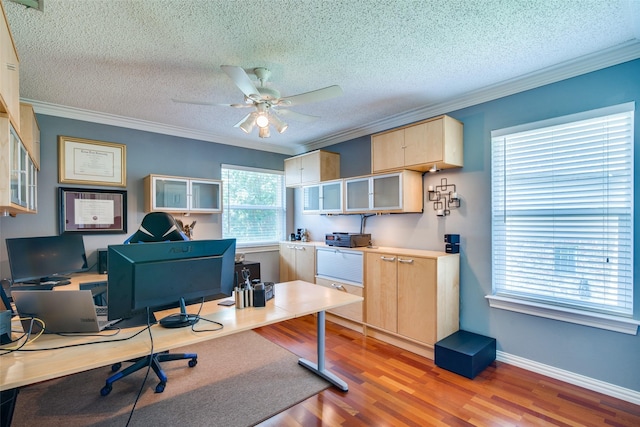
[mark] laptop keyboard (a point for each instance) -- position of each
(101, 310)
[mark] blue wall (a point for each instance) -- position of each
(147, 153)
(611, 357)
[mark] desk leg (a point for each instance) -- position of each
(319, 368)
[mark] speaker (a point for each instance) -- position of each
(452, 243)
(102, 261)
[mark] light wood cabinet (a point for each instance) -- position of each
(353, 312)
(30, 132)
(399, 192)
(323, 198)
(412, 300)
(18, 174)
(9, 74)
(419, 146)
(311, 168)
(182, 195)
(297, 261)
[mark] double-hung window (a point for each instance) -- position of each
(254, 205)
(562, 215)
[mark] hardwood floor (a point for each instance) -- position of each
(392, 387)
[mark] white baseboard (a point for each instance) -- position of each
(571, 377)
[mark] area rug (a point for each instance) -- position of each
(240, 380)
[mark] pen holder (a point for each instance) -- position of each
(243, 297)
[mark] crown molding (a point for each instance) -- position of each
(585, 64)
(625, 52)
(57, 110)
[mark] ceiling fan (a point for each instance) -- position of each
(270, 107)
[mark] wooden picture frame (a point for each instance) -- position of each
(92, 211)
(83, 161)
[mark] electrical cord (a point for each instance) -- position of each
(146, 375)
(221, 326)
(82, 344)
(26, 334)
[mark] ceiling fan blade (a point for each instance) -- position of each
(183, 101)
(242, 80)
(313, 96)
(299, 117)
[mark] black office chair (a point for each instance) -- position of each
(155, 227)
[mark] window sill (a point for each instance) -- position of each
(595, 320)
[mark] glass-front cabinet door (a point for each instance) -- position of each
(205, 196)
(19, 170)
(311, 199)
(357, 194)
(331, 197)
(387, 192)
(170, 194)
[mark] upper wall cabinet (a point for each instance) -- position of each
(323, 198)
(419, 146)
(18, 174)
(311, 168)
(9, 74)
(30, 132)
(399, 192)
(182, 195)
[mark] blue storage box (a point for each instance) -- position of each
(465, 353)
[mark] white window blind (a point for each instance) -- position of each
(254, 205)
(562, 211)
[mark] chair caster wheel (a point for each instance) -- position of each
(115, 367)
(105, 390)
(193, 362)
(160, 387)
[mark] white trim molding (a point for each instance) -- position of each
(592, 384)
(596, 320)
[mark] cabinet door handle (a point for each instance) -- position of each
(300, 248)
(384, 258)
(291, 247)
(406, 261)
(338, 287)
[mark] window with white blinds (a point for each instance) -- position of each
(254, 205)
(562, 211)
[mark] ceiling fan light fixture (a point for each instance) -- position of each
(262, 121)
(264, 132)
(248, 123)
(279, 124)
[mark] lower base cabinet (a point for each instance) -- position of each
(353, 312)
(412, 301)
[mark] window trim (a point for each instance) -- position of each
(586, 318)
(266, 245)
(611, 322)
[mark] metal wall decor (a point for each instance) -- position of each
(444, 197)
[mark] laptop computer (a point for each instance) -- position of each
(61, 311)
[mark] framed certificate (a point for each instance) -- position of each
(83, 161)
(92, 211)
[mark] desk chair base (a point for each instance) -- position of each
(153, 361)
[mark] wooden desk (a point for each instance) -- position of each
(292, 299)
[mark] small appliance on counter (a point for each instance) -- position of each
(347, 240)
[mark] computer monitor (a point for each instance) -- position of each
(147, 277)
(45, 259)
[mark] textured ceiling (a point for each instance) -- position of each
(129, 58)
